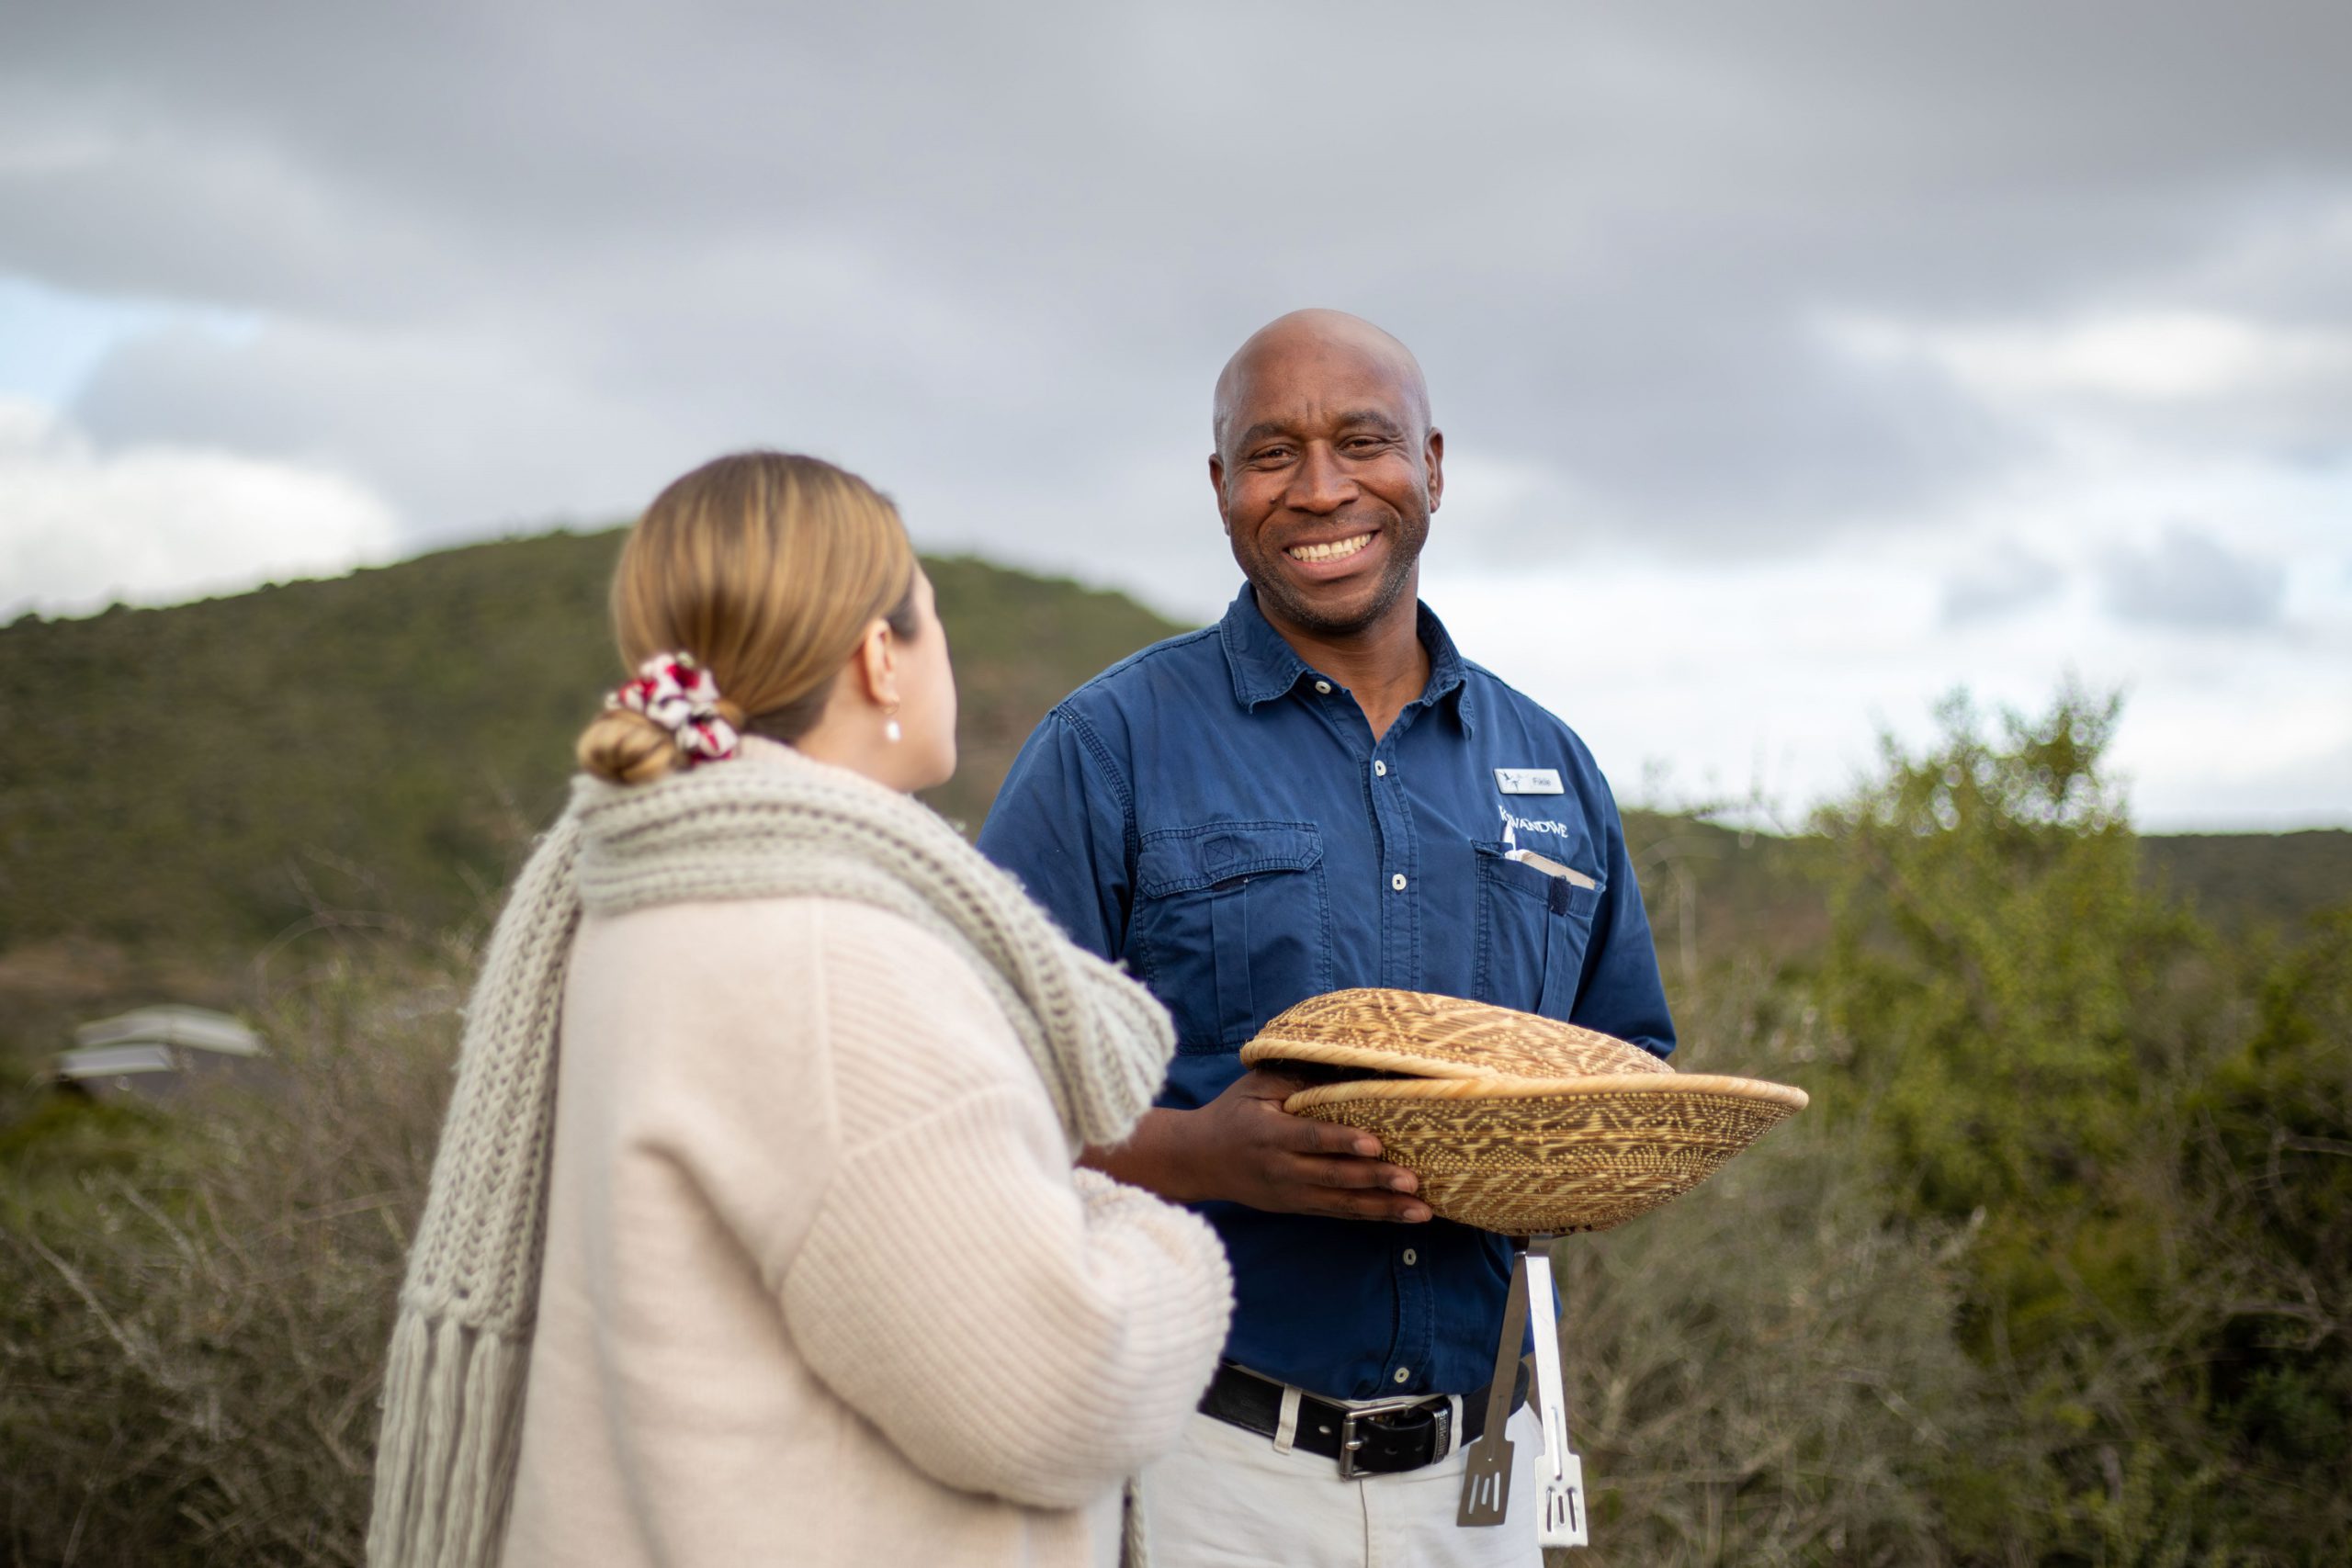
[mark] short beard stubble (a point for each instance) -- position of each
(1265, 575)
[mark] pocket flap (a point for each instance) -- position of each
(1177, 860)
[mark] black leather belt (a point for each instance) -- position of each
(1382, 1439)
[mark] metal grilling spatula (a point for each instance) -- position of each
(1562, 1478)
(1485, 1482)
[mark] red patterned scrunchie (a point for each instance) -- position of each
(677, 694)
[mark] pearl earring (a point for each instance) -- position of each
(891, 732)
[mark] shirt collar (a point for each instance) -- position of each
(1265, 667)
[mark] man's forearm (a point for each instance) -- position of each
(1155, 1158)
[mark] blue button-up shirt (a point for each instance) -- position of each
(1218, 814)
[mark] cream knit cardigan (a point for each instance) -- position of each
(1082, 1043)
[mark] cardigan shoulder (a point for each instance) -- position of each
(823, 999)
(911, 1027)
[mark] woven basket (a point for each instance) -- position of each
(1515, 1124)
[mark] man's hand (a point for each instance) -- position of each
(1244, 1147)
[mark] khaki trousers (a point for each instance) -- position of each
(1227, 1499)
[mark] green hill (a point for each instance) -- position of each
(2238, 879)
(386, 744)
(1714, 891)
(183, 786)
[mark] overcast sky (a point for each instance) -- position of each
(1798, 362)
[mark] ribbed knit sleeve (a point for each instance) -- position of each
(1012, 1327)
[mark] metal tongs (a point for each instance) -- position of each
(1486, 1481)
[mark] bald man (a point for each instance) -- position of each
(1318, 793)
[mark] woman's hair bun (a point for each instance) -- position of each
(622, 746)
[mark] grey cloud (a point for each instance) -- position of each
(543, 445)
(543, 255)
(2189, 581)
(2007, 580)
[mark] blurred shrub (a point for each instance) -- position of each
(1767, 1371)
(2143, 1128)
(2057, 1270)
(1990, 936)
(2265, 1190)
(192, 1312)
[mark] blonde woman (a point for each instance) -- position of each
(781, 1257)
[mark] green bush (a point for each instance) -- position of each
(2143, 1125)
(1990, 936)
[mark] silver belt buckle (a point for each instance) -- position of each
(1350, 1442)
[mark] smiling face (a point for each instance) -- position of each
(1327, 471)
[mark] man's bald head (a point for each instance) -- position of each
(1305, 337)
(1326, 472)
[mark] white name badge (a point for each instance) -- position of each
(1528, 781)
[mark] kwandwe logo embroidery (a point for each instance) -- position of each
(1535, 824)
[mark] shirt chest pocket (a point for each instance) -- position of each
(1533, 929)
(1232, 926)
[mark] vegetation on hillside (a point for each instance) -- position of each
(184, 791)
(381, 746)
(2057, 1271)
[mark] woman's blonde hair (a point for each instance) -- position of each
(767, 568)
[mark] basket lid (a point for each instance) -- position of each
(1516, 1123)
(1424, 1035)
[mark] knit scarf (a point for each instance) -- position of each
(771, 824)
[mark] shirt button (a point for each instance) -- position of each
(1323, 688)
(1380, 770)
(1411, 1257)
(1398, 882)
(1404, 1374)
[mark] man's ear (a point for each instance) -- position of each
(1433, 453)
(1216, 484)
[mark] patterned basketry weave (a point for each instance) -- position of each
(1515, 1124)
